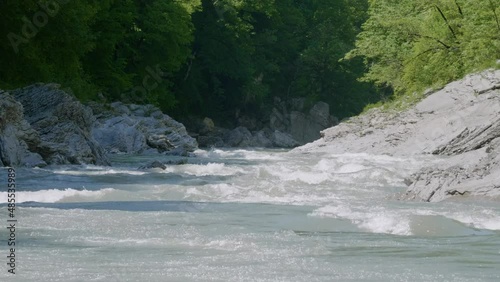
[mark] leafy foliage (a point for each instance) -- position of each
(96, 45)
(414, 45)
(217, 58)
(248, 52)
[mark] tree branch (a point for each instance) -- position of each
(433, 38)
(460, 8)
(495, 13)
(446, 20)
(423, 53)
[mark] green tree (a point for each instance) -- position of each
(413, 45)
(141, 44)
(223, 76)
(322, 74)
(43, 41)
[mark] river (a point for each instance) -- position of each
(245, 215)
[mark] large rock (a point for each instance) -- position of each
(63, 125)
(303, 127)
(238, 137)
(283, 140)
(206, 132)
(133, 128)
(320, 115)
(289, 125)
(119, 134)
(460, 121)
(475, 173)
(279, 120)
(18, 139)
(262, 139)
(211, 141)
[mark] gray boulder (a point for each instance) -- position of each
(208, 126)
(302, 126)
(238, 137)
(163, 165)
(304, 129)
(140, 129)
(211, 141)
(262, 139)
(63, 125)
(206, 132)
(279, 120)
(119, 134)
(18, 140)
(320, 114)
(283, 140)
(153, 164)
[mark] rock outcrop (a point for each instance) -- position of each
(289, 125)
(60, 128)
(122, 128)
(42, 125)
(460, 121)
(303, 126)
(18, 140)
(241, 136)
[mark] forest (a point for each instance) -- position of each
(223, 58)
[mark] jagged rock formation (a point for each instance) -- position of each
(122, 128)
(18, 140)
(42, 124)
(63, 125)
(460, 121)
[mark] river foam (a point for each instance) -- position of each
(55, 195)
(240, 215)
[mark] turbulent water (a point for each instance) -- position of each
(238, 215)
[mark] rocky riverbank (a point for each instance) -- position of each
(459, 124)
(289, 124)
(42, 125)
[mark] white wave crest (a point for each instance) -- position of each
(216, 169)
(99, 172)
(55, 195)
(377, 220)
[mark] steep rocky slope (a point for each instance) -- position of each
(459, 123)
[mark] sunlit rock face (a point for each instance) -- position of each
(460, 122)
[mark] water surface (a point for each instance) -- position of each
(246, 215)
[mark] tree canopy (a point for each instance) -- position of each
(414, 45)
(222, 58)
